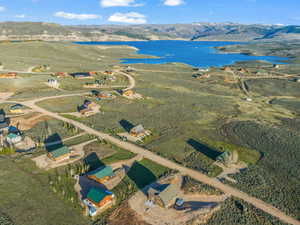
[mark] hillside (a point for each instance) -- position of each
(195, 31)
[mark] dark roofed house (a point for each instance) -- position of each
(165, 197)
(60, 153)
(138, 131)
(102, 174)
(83, 75)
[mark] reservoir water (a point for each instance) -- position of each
(195, 53)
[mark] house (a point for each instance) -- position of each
(102, 174)
(8, 75)
(13, 139)
(104, 95)
(165, 195)
(227, 69)
(108, 72)
(3, 122)
(60, 153)
(96, 199)
(53, 83)
(138, 131)
(61, 74)
(88, 108)
(16, 109)
(83, 75)
(128, 93)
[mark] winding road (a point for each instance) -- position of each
(165, 162)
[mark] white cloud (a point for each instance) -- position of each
(20, 16)
(173, 2)
(132, 17)
(2, 9)
(72, 16)
(114, 3)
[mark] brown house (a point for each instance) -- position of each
(8, 75)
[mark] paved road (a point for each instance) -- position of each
(160, 160)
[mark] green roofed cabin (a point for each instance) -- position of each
(59, 154)
(102, 174)
(99, 197)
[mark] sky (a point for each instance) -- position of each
(97, 12)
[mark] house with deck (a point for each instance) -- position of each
(17, 109)
(98, 200)
(88, 108)
(59, 154)
(83, 75)
(165, 195)
(138, 131)
(102, 174)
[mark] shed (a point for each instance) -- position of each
(101, 174)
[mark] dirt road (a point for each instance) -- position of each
(131, 80)
(158, 159)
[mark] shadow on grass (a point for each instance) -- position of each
(126, 125)
(53, 142)
(206, 150)
(92, 160)
(141, 175)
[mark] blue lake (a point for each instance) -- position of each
(195, 53)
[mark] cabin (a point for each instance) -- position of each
(98, 198)
(13, 138)
(128, 93)
(227, 69)
(108, 72)
(61, 74)
(138, 131)
(53, 83)
(8, 75)
(17, 109)
(102, 174)
(59, 154)
(3, 122)
(88, 108)
(165, 195)
(84, 75)
(104, 95)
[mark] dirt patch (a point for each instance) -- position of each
(25, 123)
(125, 215)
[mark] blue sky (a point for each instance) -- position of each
(151, 11)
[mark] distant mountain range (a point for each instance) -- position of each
(194, 31)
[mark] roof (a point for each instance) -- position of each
(138, 129)
(17, 106)
(60, 152)
(12, 136)
(81, 74)
(97, 195)
(102, 172)
(169, 193)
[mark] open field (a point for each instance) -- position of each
(275, 178)
(27, 199)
